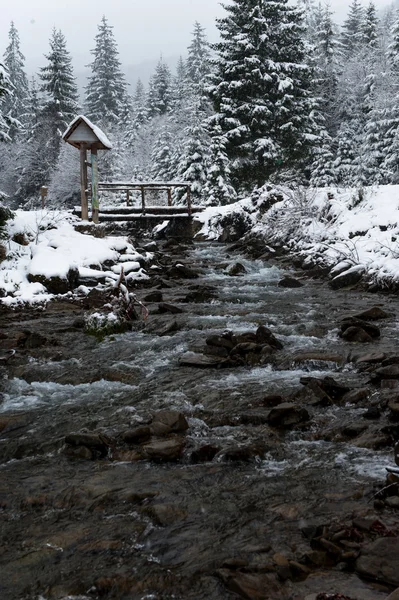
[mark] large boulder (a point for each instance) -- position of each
(57, 284)
(287, 415)
(379, 561)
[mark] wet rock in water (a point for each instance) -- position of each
(166, 514)
(394, 410)
(164, 307)
(389, 372)
(372, 330)
(252, 586)
(151, 247)
(372, 357)
(351, 277)
(243, 338)
(216, 351)
(86, 446)
(290, 282)
(313, 394)
(32, 340)
(200, 295)
(222, 341)
(191, 359)
(204, 453)
(287, 415)
(373, 314)
(168, 450)
(393, 502)
(235, 269)
(137, 435)
(265, 336)
(372, 413)
(332, 388)
(243, 452)
(390, 360)
(379, 561)
(272, 400)
(155, 296)
(175, 420)
(394, 595)
(373, 440)
(356, 334)
(180, 271)
(354, 429)
(160, 429)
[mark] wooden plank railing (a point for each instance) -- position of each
(143, 187)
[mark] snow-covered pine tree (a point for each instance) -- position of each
(323, 173)
(346, 163)
(198, 60)
(162, 159)
(194, 160)
(261, 89)
(179, 86)
(106, 92)
(371, 27)
(5, 92)
(138, 115)
(218, 189)
(58, 107)
(352, 35)
(326, 56)
(15, 106)
(160, 90)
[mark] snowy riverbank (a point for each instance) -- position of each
(355, 230)
(45, 255)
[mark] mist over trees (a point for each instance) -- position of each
(285, 95)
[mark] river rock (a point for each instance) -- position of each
(137, 435)
(372, 330)
(371, 357)
(287, 414)
(155, 296)
(392, 502)
(164, 307)
(168, 450)
(243, 452)
(216, 351)
(192, 359)
(252, 586)
(235, 270)
(354, 429)
(335, 390)
(222, 341)
(355, 396)
(389, 372)
(180, 271)
(175, 420)
(351, 277)
(85, 445)
(394, 595)
(379, 561)
(390, 360)
(205, 453)
(356, 334)
(290, 282)
(265, 336)
(56, 284)
(373, 314)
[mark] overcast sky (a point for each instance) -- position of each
(143, 28)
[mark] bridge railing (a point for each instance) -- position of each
(143, 187)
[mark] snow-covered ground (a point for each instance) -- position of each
(343, 228)
(53, 248)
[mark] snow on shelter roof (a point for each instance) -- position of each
(82, 131)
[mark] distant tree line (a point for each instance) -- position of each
(285, 95)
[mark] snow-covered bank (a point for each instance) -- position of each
(43, 246)
(343, 229)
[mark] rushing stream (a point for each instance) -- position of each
(133, 529)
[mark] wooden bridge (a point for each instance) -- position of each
(130, 212)
(139, 215)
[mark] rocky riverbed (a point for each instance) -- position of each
(233, 444)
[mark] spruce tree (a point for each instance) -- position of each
(218, 189)
(160, 90)
(5, 93)
(370, 27)
(106, 93)
(261, 89)
(353, 30)
(163, 167)
(198, 60)
(16, 105)
(194, 160)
